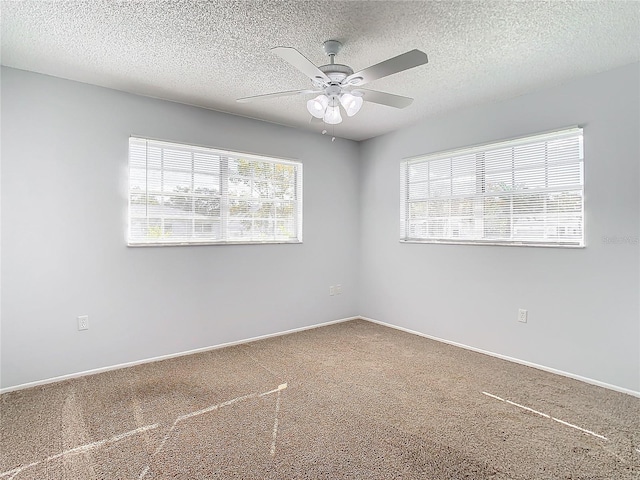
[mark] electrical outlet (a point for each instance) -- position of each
(332, 290)
(338, 289)
(83, 322)
(522, 315)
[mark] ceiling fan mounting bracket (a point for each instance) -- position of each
(331, 47)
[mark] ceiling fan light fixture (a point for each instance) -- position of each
(317, 106)
(339, 86)
(351, 103)
(332, 116)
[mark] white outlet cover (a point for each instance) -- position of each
(338, 289)
(522, 315)
(332, 290)
(83, 322)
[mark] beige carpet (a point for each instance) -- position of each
(353, 400)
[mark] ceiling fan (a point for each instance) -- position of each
(338, 85)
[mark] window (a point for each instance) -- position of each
(185, 195)
(527, 191)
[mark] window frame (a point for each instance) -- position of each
(225, 199)
(481, 191)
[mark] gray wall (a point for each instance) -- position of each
(64, 182)
(583, 304)
(64, 207)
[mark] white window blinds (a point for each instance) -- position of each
(527, 191)
(181, 194)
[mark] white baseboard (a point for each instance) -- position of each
(300, 329)
(166, 357)
(511, 359)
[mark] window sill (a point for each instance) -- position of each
(200, 244)
(496, 243)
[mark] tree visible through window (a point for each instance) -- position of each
(180, 194)
(527, 191)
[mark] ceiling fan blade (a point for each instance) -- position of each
(295, 58)
(411, 59)
(382, 98)
(277, 94)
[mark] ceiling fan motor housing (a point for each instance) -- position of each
(336, 72)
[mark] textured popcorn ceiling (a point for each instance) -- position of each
(210, 53)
